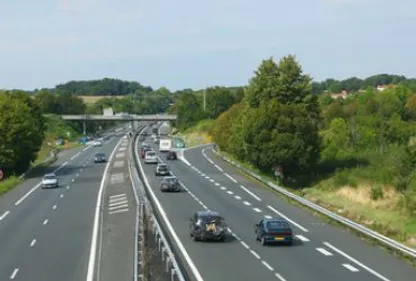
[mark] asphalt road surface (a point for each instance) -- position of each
(45, 234)
(115, 257)
(321, 251)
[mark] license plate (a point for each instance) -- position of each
(279, 238)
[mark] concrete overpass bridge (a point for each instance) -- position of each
(122, 117)
(127, 117)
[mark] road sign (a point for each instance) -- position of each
(1, 174)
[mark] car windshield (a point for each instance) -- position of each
(100, 155)
(209, 218)
(163, 167)
(151, 153)
(277, 225)
(172, 180)
(49, 177)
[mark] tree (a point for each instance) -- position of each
(222, 130)
(21, 130)
(218, 100)
(188, 109)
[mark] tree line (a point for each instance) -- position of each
(26, 118)
(279, 123)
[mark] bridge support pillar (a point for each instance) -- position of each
(84, 128)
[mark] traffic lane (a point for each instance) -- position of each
(375, 258)
(17, 230)
(62, 243)
(66, 170)
(117, 225)
(8, 199)
(242, 218)
(214, 260)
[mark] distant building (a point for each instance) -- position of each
(343, 95)
(108, 111)
(381, 88)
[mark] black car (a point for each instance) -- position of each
(162, 170)
(207, 225)
(171, 155)
(100, 158)
(170, 183)
(274, 231)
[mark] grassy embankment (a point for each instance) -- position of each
(55, 128)
(350, 192)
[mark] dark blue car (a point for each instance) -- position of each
(270, 231)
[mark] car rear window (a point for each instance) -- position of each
(209, 218)
(151, 153)
(49, 177)
(277, 225)
(99, 154)
(163, 167)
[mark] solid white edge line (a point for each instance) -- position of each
(255, 254)
(93, 247)
(175, 237)
(372, 271)
(249, 192)
(219, 168)
(288, 219)
(18, 202)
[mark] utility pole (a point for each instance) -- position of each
(205, 100)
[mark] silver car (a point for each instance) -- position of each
(151, 157)
(50, 181)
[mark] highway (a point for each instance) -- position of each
(321, 251)
(45, 235)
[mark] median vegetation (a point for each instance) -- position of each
(347, 145)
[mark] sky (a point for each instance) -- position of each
(194, 44)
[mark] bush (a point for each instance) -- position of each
(377, 192)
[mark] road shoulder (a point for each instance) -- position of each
(118, 214)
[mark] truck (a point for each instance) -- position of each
(165, 145)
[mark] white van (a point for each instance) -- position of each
(150, 157)
(165, 145)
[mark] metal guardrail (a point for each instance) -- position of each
(356, 226)
(168, 253)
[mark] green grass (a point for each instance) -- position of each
(354, 202)
(198, 134)
(8, 184)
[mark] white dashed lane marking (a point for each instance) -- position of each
(45, 222)
(350, 267)
(324, 252)
(219, 168)
(267, 265)
(247, 203)
(54, 207)
(230, 192)
(4, 215)
(14, 273)
(268, 217)
(251, 193)
(33, 243)
(237, 197)
(302, 238)
(230, 177)
(288, 219)
(255, 254)
(257, 210)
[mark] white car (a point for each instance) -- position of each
(151, 157)
(98, 144)
(50, 180)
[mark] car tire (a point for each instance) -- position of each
(263, 241)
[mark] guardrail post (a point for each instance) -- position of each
(159, 244)
(172, 274)
(163, 253)
(167, 264)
